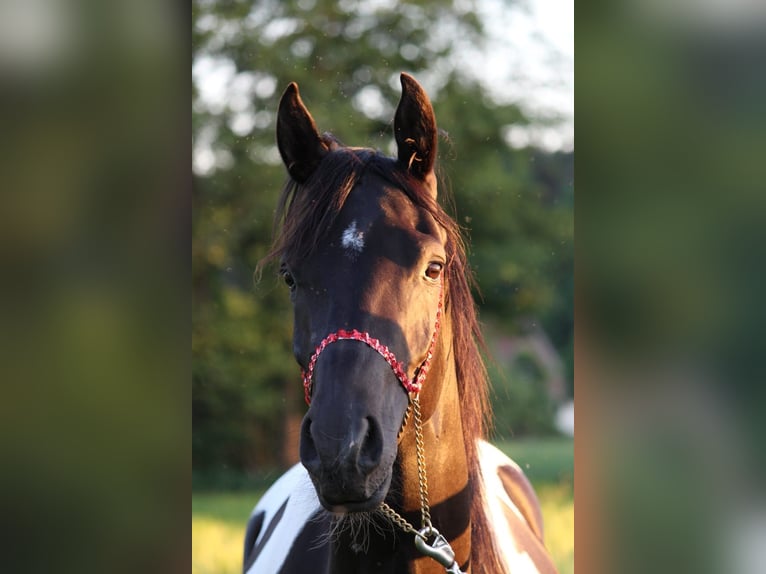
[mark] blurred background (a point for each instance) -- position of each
(670, 283)
(500, 75)
(94, 316)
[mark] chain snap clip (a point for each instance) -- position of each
(439, 549)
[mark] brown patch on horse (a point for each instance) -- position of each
(523, 496)
(527, 541)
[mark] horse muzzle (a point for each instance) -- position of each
(349, 467)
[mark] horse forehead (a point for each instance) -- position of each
(372, 208)
(374, 199)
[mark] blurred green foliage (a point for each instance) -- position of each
(670, 285)
(516, 204)
(93, 298)
(521, 404)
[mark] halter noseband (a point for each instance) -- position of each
(411, 386)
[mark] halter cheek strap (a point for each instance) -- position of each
(411, 386)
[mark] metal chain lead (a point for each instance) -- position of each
(425, 509)
(440, 549)
(398, 519)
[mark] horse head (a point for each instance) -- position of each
(364, 257)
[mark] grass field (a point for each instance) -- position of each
(219, 518)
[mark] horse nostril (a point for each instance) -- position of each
(308, 450)
(371, 449)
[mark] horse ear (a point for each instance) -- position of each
(415, 130)
(298, 140)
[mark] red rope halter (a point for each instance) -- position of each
(411, 386)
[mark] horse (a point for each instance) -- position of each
(395, 476)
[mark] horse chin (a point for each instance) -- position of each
(340, 507)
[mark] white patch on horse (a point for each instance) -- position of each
(352, 241)
(496, 501)
(294, 486)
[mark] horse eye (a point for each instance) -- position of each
(434, 270)
(288, 278)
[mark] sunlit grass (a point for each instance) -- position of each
(218, 530)
(219, 518)
(217, 546)
(557, 504)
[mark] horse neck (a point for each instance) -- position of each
(449, 491)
